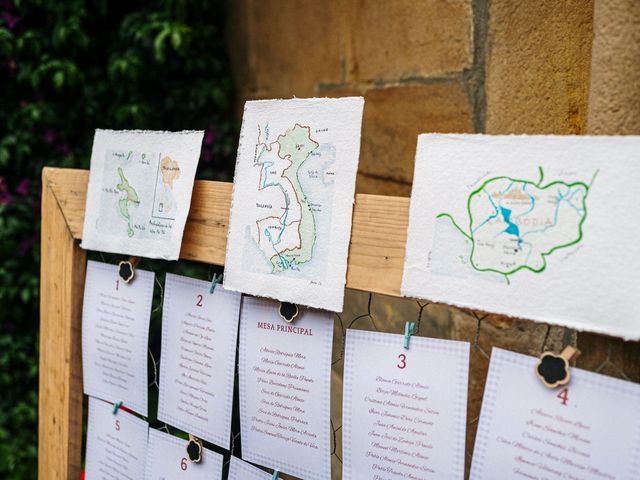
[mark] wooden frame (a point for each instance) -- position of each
(376, 257)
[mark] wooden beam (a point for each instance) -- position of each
(62, 272)
(378, 236)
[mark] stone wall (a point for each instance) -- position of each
(486, 66)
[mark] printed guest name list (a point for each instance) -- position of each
(285, 374)
(404, 411)
(115, 334)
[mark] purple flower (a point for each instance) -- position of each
(5, 195)
(49, 136)
(23, 187)
(210, 135)
(207, 155)
(10, 19)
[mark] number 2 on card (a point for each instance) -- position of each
(199, 302)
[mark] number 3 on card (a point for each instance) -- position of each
(402, 361)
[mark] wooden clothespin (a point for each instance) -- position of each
(288, 311)
(127, 269)
(215, 281)
(409, 329)
(194, 449)
(553, 370)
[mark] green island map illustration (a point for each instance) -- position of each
(515, 224)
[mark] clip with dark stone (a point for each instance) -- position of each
(127, 269)
(288, 311)
(194, 449)
(553, 370)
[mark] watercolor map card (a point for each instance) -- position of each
(139, 192)
(533, 227)
(293, 198)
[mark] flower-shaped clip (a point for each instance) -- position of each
(288, 311)
(553, 370)
(194, 449)
(127, 269)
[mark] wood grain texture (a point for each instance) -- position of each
(62, 273)
(378, 236)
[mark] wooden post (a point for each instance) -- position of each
(62, 273)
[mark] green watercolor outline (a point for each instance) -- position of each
(470, 237)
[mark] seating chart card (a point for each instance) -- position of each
(404, 411)
(285, 375)
(116, 444)
(293, 198)
(522, 225)
(197, 371)
(167, 459)
(140, 191)
(239, 470)
(588, 430)
(115, 334)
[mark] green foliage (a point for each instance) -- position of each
(67, 68)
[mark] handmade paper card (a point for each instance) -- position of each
(115, 334)
(139, 191)
(197, 371)
(589, 429)
(293, 199)
(116, 444)
(533, 227)
(285, 375)
(167, 459)
(404, 411)
(239, 470)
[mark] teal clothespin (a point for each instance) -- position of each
(116, 407)
(276, 475)
(409, 329)
(215, 281)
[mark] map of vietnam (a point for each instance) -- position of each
(287, 232)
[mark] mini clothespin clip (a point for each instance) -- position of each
(127, 269)
(409, 329)
(194, 449)
(553, 370)
(288, 311)
(116, 407)
(215, 281)
(276, 475)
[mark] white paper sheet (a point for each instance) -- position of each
(115, 335)
(404, 411)
(239, 470)
(140, 191)
(197, 371)
(116, 444)
(293, 198)
(285, 376)
(536, 227)
(167, 459)
(589, 430)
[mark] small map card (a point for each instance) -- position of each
(140, 191)
(285, 376)
(197, 371)
(115, 335)
(293, 198)
(532, 227)
(167, 459)
(404, 411)
(116, 444)
(587, 430)
(240, 470)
